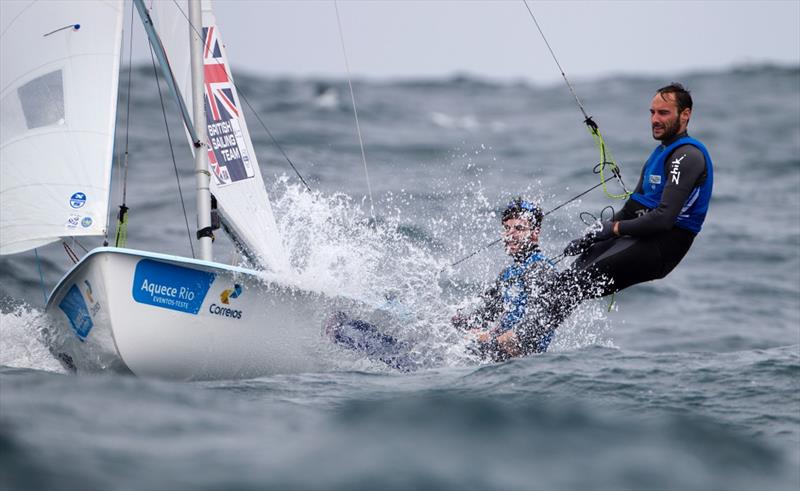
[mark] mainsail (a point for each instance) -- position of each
(57, 123)
(236, 180)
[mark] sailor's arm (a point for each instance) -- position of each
(686, 168)
(523, 338)
(489, 309)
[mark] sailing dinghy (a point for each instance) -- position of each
(128, 310)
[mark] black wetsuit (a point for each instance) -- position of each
(517, 302)
(650, 242)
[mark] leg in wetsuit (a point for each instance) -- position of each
(615, 264)
(363, 337)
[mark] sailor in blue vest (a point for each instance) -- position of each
(654, 230)
(514, 318)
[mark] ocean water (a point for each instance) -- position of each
(691, 382)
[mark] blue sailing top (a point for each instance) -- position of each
(516, 297)
(655, 177)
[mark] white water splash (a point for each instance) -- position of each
(396, 263)
(589, 325)
(22, 340)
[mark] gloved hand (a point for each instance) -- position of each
(605, 232)
(577, 246)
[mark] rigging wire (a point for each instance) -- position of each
(75, 241)
(565, 203)
(605, 155)
(355, 111)
(128, 112)
(172, 150)
(41, 275)
(73, 257)
(122, 217)
(571, 89)
(241, 93)
(274, 140)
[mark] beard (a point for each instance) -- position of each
(669, 129)
(522, 248)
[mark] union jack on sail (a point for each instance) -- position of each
(218, 86)
(228, 154)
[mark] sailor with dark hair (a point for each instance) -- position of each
(655, 228)
(515, 317)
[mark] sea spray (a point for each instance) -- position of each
(24, 334)
(402, 270)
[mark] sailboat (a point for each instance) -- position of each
(134, 311)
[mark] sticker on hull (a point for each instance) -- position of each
(74, 306)
(170, 287)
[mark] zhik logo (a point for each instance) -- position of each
(675, 170)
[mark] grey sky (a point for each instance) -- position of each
(497, 39)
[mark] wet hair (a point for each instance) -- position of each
(683, 98)
(520, 208)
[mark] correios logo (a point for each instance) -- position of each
(230, 293)
(225, 298)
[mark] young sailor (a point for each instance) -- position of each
(515, 317)
(653, 231)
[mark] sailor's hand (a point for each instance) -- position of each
(483, 336)
(605, 231)
(577, 246)
(508, 342)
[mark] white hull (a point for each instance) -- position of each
(178, 318)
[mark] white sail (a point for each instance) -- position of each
(236, 180)
(59, 67)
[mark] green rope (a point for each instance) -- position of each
(122, 227)
(606, 159)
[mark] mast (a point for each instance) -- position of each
(202, 175)
(161, 56)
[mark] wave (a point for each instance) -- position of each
(23, 334)
(597, 418)
(464, 80)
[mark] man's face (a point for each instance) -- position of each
(664, 117)
(518, 235)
